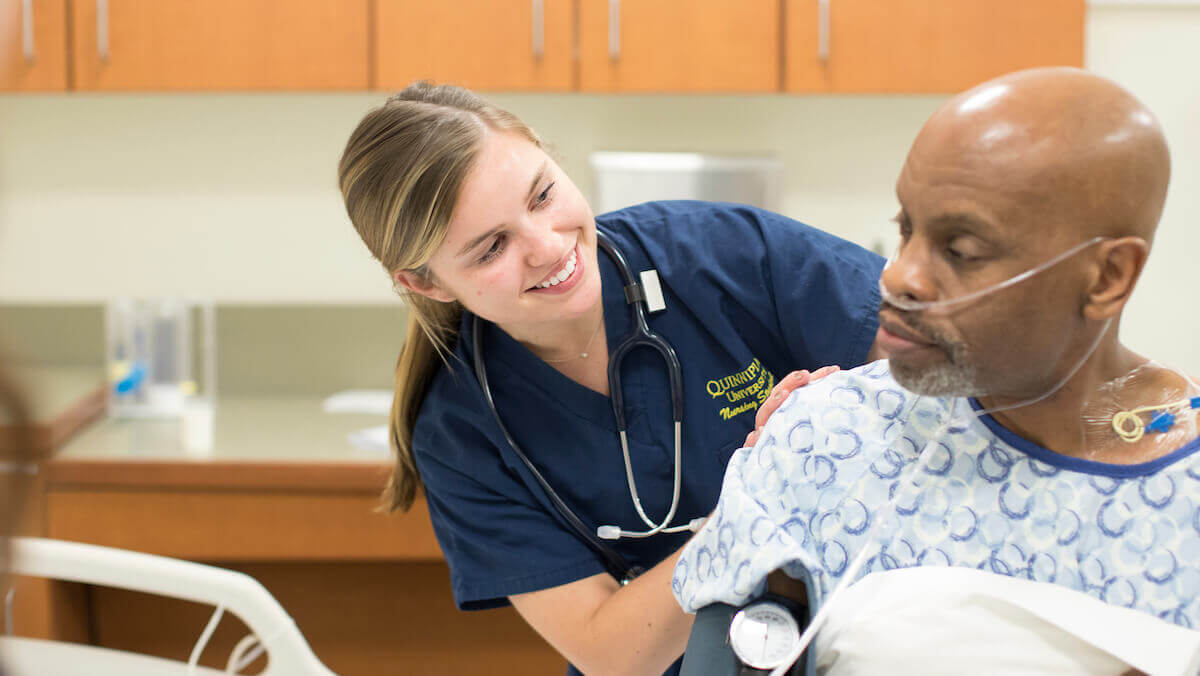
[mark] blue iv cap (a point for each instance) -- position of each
(1161, 422)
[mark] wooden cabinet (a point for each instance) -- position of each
(679, 46)
(480, 44)
(168, 45)
(797, 46)
(924, 45)
(33, 49)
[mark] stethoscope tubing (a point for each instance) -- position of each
(614, 563)
(640, 335)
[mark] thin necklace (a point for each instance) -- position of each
(581, 355)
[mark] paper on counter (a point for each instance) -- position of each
(371, 439)
(373, 402)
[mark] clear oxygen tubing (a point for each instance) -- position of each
(851, 573)
(1127, 424)
(916, 305)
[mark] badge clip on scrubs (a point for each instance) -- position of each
(642, 296)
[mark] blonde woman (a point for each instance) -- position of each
(498, 257)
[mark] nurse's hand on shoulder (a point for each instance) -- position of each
(790, 383)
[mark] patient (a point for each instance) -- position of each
(1054, 170)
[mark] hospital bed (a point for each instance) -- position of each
(273, 630)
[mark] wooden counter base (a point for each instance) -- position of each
(360, 618)
(369, 591)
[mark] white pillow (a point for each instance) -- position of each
(937, 620)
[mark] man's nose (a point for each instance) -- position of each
(906, 275)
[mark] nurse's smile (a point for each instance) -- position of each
(564, 277)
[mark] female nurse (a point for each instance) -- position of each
(472, 218)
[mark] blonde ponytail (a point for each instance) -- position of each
(415, 369)
(400, 175)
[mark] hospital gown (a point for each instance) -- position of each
(804, 499)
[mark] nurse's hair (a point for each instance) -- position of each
(400, 175)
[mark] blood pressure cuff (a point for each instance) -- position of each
(708, 652)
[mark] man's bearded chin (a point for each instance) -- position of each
(947, 379)
(954, 377)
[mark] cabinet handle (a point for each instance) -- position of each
(823, 30)
(614, 29)
(27, 29)
(539, 28)
(102, 30)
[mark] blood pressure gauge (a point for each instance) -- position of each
(764, 633)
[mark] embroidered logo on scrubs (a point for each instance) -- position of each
(744, 390)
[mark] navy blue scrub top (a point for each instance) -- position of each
(750, 295)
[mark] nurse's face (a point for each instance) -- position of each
(521, 247)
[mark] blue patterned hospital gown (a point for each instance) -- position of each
(830, 460)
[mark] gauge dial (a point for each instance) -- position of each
(763, 634)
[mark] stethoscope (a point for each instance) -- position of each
(639, 335)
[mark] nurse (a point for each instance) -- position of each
(472, 218)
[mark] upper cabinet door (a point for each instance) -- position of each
(33, 45)
(220, 44)
(924, 45)
(480, 44)
(679, 45)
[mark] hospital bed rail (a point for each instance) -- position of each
(287, 651)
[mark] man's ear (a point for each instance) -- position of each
(421, 285)
(1119, 264)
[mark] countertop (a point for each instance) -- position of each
(50, 390)
(61, 400)
(261, 441)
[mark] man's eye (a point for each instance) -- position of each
(960, 255)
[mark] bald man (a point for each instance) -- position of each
(986, 441)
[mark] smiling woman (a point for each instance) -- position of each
(496, 252)
(399, 180)
(506, 252)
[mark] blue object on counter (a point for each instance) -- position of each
(132, 380)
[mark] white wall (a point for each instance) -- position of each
(233, 196)
(1154, 51)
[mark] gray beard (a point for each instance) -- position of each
(950, 379)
